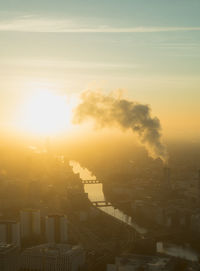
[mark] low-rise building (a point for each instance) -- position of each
(53, 257)
(9, 257)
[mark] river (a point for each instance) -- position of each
(95, 193)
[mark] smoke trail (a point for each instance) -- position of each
(107, 110)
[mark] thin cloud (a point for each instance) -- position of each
(38, 25)
(44, 63)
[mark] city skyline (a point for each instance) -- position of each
(99, 141)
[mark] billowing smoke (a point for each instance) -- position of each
(108, 110)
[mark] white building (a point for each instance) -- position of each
(9, 257)
(30, 222)
(56, 228)
(10, 232)
(53, 257)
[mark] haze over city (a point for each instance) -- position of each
(100, 128)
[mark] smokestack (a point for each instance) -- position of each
(166, 179)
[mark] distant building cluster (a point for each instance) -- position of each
(127, 230)
(170, 205)
(135, 262)
(55, 254)
(49, 257)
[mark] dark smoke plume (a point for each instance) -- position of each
(108, 110)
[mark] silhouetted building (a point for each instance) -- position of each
(166, 184)
(199, 179)
(34, 193)
(10, 232)
(30, 223)
(56, 228)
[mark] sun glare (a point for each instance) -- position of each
(47, 113)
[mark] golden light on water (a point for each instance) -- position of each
(84, 173)
(46, 113)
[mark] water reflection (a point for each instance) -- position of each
(84, 173)
(95, 193)
(177, 251)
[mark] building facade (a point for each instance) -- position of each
(10, 232)
(56, 228)
(30, 223)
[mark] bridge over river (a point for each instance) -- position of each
(90, 181)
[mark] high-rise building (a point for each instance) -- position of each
(166, 178)
(9, 257)
(10, 232)
(199, 178)
(34, 193)
(53, 257)
(30, 222)
(56, 228)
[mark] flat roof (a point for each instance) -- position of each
(50, 249)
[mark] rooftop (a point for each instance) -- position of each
(6, 247)
(159, 263)
(8, 221)
(56, 215)
(30, 210)
(51, 249)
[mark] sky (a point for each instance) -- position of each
(148, 48)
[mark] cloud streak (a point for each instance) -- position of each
(40, 25)
(62, 64)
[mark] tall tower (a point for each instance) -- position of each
(10, 232)
(56, 228)
(30, 222)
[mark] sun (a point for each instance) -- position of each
(47, 113)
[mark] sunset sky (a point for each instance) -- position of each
(148, 48)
